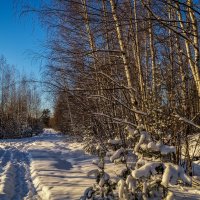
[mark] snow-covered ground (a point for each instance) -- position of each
(51, 167)
(45, 167)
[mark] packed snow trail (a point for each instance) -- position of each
(52, 167)
(45, 167)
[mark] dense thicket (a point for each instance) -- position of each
(19, 103)
(113, 63)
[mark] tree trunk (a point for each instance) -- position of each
(124, 57)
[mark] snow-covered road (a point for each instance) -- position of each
(45, 167)
(52, 167)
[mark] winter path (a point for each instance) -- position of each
(42, 168)
(52, 167)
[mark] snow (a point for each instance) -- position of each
(146, 170)
(105, 178)
(196, 168)
(172, 173)
(131, 132)
(93, 173)
(7, 184)
(115, 141)
(117, 154)
(144, 138)
(131, 182)
(54, 167)
(163, 149)
(122, 190)
(170, 196)
(44, 167)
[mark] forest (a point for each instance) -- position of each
(118, 63)
(123, 77)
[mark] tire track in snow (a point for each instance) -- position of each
(15, 181)
(6, 157)
(2, 151)
(21, 188)
(24, 188)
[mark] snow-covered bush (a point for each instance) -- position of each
(104, 186)
(147, 172)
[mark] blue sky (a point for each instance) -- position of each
(20, 37)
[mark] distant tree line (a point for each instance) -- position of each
(20, 103)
